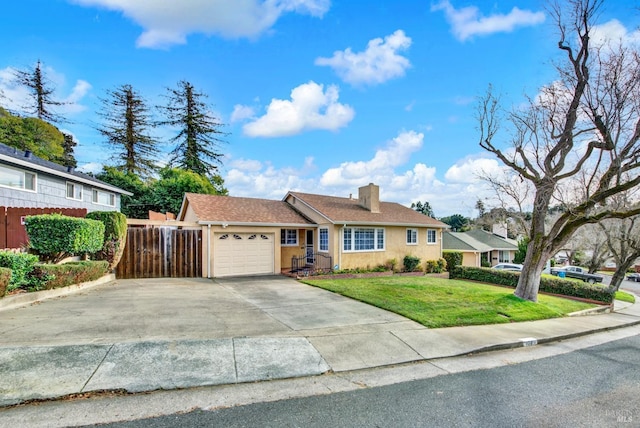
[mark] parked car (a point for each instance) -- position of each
(634, 277)
(508, 266)
(576, 272)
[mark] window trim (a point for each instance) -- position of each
(435, 237)
(320, 230)
(75, 186)
(24, 173)
(352, 242)
(95, 200)
(283, 237)
(414, 234)
(504, 252)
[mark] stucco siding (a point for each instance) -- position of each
(396, 247)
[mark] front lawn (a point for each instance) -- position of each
(438, 302)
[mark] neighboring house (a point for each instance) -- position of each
(479, 245)
(250, 236)
(28, 181)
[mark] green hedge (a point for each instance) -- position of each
(21, 265)
(71, 273)
(55, 236)
(5, 277)
(553, 285)
(453, 258)
(115, 236)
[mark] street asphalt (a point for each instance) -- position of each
(163, 334)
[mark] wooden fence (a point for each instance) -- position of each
(12, 231)
(160, 252)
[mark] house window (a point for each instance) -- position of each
(17, 179)
(323, 244)
(431, 236)
(289, 237)
(74, 191)
(103, 198)
(503, 256)
(363, 239)
(412, 236)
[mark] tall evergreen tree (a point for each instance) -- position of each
(423, 208)
(41, 90)
(126, 124)
(68, 146)
(198, 139)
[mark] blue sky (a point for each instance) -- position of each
(317, 96)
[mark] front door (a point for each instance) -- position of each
(309, 244)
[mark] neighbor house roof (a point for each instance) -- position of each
(227, 209)
(494, 241)
(460, 241)
(25, 159)
(476, 240)
(349, 211)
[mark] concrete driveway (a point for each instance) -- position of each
(188, 308)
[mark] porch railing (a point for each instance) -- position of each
(312, 263)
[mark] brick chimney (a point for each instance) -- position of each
(369, 197)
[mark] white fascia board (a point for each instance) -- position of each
(376, 223)
(63, 175)
(240, 223)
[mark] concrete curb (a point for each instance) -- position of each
(14, 301)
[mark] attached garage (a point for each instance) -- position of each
(236, 254)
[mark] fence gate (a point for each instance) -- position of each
(161, 252)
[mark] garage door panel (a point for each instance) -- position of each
(243, 254)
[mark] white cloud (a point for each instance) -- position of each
(467, 22)
(309, 108)
(168, 23)
(92, 167)
(246, 164)
(396, 153)
(467, 170)
(613, 32)
(241, 113)
(377, 64)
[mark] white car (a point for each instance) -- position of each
(508, 266)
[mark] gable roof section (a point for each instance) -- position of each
(492, 240)
(215, 209)
(461, 241)
(349, 211)
(17, 158)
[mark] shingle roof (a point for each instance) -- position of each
(18, 157)
(349, 211)
(213, 208)
(463, 242)
(475, 240)
(494, 241)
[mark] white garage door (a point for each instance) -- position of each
(238, 254)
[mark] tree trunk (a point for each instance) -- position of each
(529, 281)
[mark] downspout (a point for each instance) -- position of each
(208, 251)
(340, 243)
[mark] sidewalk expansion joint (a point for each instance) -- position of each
(97, 367)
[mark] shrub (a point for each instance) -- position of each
(435, 266)
(21, 264)
(453, 258)
(391, 265)
(485, 263)
(115, 236)
(55, 236)
(552, 285)
(72, 273)
(411, 263)
(5, 277)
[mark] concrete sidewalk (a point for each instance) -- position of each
(271, 328)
